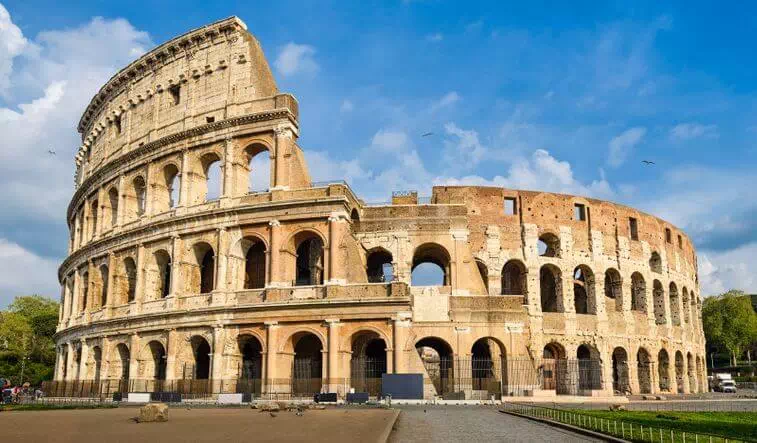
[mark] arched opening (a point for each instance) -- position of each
(307, 370)
(549, 245)
(620, 382)
(663, 370)
(487, 366)
(675, 305)
(93, 218)
(514, 278)
(355, 215)
(550, 279)
(309, 260)
(140, 195)
(553, 367)
(658, 297)
(204, 274)
(638, 293)
(644, 371)
(121, 368)
(201, 353)
(156, 365)
(431, 266)
(84, 291)
(259, 168)
(690, 372)
(251, 370)
(584, 293)
(589, 368)
(162, 277)
(104, 280)
(130, 272)
(655, 263)
(368, 362)
(97, 363)
(483, 272)
(685, 302)
(436, 355)
(171, 187)
(679, 371)
(113, 200)
(254, 266)
(211, 169)
(379, 266)
(613, 291)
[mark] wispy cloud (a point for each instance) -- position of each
(435, 37)
(448, 99)
(294, 58)
(621, 145)
(690, 131)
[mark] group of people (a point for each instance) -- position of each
(13, 394)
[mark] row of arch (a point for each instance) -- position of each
(165, 191)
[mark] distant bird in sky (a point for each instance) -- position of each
(426, 134)
(648, 162)
(51, 151)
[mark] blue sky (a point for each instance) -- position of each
(526, 95)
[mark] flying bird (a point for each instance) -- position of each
(51, 151)
(648, 162)
(426, 134)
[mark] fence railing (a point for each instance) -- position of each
(624, 429)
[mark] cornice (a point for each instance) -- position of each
(135, 154)
(153, 60)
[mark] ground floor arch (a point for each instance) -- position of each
(663, 370)
(644, 371)
(307, 364)
(368, 361)
(437, 357)
(620, 377)
(488, 366)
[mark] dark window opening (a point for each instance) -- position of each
(579, 212)
(680, 242)
(668, 236)
(175, 94)
(379, 267)
(210, 119)
(254, 267)
(634, 227)
(510, 206)
(207, 271)
(117, 124)
(309, 262)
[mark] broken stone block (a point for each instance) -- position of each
(153, 412)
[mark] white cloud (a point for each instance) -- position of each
(294, 59)
(390, 141)
(689, 131)
(23, 273)
(621, 145)
(467, 151)
(346, 106)
(733, 269)
(435, 37)
(448, 99)
(12, 44)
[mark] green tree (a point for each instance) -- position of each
(729, 321)
(26, 339)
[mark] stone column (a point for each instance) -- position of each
(111, 281)
(140, 284)
(460, 237)
(76, 295)
(121, 199)
(270, 357)
(337, 223)
(171, 343)
(133, 356)
(82, 375)
(221, 255)
(70, 362)
(217, 361)
(176, 281)
(227, 188)
(399, 337)
(334, 380)
(184, 177)
(283, 139)
(273, 268)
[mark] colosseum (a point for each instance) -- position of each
(204, 260)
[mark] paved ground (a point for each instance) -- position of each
(211, 425)
(472, 424)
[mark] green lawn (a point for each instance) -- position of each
(738, 425)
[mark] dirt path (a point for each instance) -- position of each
(116, 425)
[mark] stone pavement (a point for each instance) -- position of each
(473, 424)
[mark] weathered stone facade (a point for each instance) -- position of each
(170, 278)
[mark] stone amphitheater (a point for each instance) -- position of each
(203, 259)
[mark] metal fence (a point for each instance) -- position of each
(624, 429)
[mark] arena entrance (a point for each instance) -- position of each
(307, 366)
(436, 355)
(368, 362)
(251, 367)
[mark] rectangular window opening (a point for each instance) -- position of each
(579, 212)
(634, 227)
(510, 207)
(117, 124)
(668, 236)
(210, 119)
(175, 91)
(680, 242)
